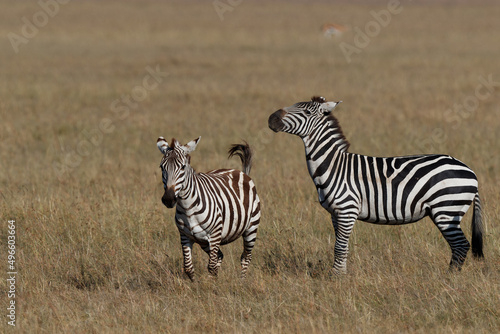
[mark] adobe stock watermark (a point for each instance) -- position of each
(456, 116)
(30, 28)
(11, 273)
(120, 109)
(372, 29)
(223, 6)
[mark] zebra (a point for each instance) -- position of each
(213, 208)
(392, 190)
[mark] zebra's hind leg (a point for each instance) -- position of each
(455, 237)
(246, 258)
(343, 224)
(220, 256)
(249, 237)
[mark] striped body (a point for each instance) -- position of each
(212, 209)
(396, 190)
(393, 190)
(230, 207)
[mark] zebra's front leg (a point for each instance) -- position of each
(215, 258)
(187, 249)
(343, 225)
(213, 269)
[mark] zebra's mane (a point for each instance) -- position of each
(331, 120)
(335, 126)
(319, 99)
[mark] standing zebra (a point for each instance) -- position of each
(395, 190)
(213, 208)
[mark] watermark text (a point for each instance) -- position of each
(223, 6)
(372, 29)
(11, 273)
(31, 26)
(456, 116)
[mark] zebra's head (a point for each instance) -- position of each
(301, 118)
(174, 167)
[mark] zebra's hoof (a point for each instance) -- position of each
(333, 273)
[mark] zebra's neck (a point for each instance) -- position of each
(324, 145)
(187, 195)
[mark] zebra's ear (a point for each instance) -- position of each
(329, 106)
(162, 145)
(189, 147)
(175, 143)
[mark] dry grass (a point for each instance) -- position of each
(97, 252)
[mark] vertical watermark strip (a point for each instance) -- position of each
(11, 273)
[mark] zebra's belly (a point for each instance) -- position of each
(232, 230)
(202, 231)
(397, 218)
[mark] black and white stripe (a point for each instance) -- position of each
(394, 190)
(213, 208)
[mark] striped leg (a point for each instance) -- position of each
(343, 224)
(187, 249)
(246, 257)
(215, 259)
(220, 256)
(212, 248)
(455, 237)
(249, 237)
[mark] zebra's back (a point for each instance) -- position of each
(399, 190)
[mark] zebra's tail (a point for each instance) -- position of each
(245, 154)
(477, 229)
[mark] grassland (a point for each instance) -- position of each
(96, 250)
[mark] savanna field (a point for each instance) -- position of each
(85, 94)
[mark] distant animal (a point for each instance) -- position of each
(392, 191)
(213, 208)
(333, 30)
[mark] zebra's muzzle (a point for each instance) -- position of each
(275, 121)
(169, 199)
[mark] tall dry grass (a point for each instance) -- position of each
(97, 252)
